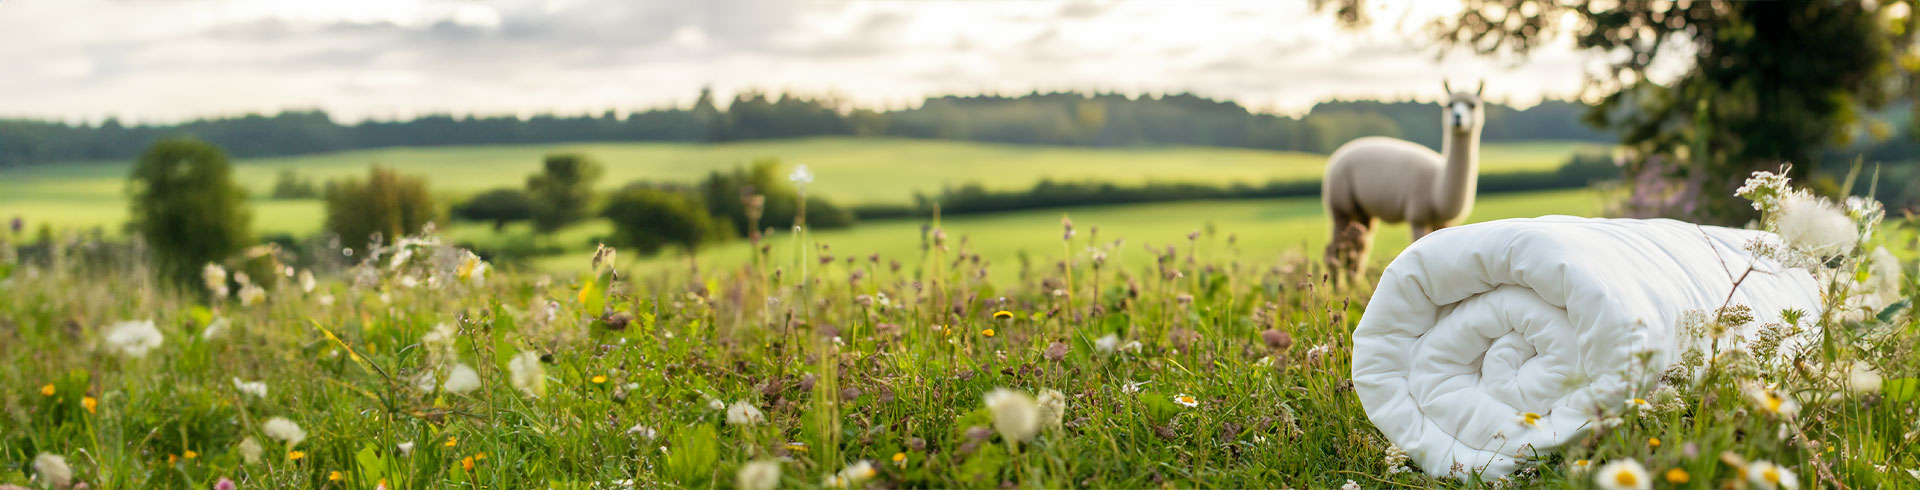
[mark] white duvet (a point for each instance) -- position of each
(1473, 326)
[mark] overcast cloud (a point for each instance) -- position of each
(166, 60)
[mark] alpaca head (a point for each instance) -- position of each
(1464, 113)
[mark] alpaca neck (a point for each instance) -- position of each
(1453, 191)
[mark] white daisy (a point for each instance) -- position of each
(134, 338)
(1186, 400)
(1624, 474)
(1768, 476)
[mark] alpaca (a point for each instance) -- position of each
(1377, 178)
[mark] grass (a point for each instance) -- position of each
(655, 379)
(853, 171)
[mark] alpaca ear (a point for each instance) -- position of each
(1446, 86)
(1482, 89)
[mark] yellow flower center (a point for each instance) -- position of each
(1581, 463)
(1677, 476)
(1773, 403)
(1771, 475)
(987, 332)
(898, 457)
(1530, 418)
(1639, 401)
(1625, 478)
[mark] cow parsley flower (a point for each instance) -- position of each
(1053, 408)
(216, 279)
(256, 388)
(1106, 344)
(306, 280)
(461, 379)
(1624, 474)
(760, 475)
(53, 470)
(1351, 485)
(527, 374)
(1815, 227)
(214, 329)
(252, 294)
(1015, 415)
(250, 450)
(743, 413)
(801, 175)
(284, 430)
(134, 339)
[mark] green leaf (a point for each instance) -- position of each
(373, 465)
(592, 297)
(1886, 315)
(692, 457)
(1902, 389)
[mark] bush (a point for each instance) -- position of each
(387, 203)
(187, 207)
(563, 193)
(725, 193)
(292, 186)
(650, 218)
(500, 206)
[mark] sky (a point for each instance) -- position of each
(170, 60)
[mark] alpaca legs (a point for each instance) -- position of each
(1349, 246)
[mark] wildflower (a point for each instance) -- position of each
(599, 379)
(53, 470)
(527, 374)
(306, 280)
(759, 475)
(284, 430)
(1678, 476)
(642, 431)
(1186, 400)
(452, 441)
(1133, 387)
(250, 450)
(1640, 403)
(466, 463)
(1815, 226)
(987, 332)
(1055, 352)
(461, 380)
(1130, 347)
(1317, 352)
(90, 403)
(252, 294)
(1653, 442)
(1003, 315)
(857, 472)
(1053, 408)
(224, 484)
(1106, 344)
(47, 390)
(1622, 475)
(1768, 476)
(256, 388)
(801, 175)
(1771, 401)
(743, 413)
(1276, 339)
(472, 269)
(1529, 419)
(216, 279)
(716, 404)
(335, 476)
(296, 455)
(214, 329)
(1350, 486)
(1015, 415)
(1579, 466)
(1396, 460)
(900, 459)
(1862, 378)
(135, 338)
(406, 448)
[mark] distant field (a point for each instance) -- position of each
(852, 171)
(1262, 229)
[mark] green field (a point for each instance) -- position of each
(851, 171)
(1263, 230)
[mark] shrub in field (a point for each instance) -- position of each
(726, 195)
(290, 185)
(187, 206)
(500, 206)
(650, 219)
(387, 203)
(562, 192)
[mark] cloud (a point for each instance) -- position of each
(168, 60)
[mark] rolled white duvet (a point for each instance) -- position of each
(1471, 327)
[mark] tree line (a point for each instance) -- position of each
(1056, 118)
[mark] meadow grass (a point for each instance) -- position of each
(850, 170)
(1227, 367)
